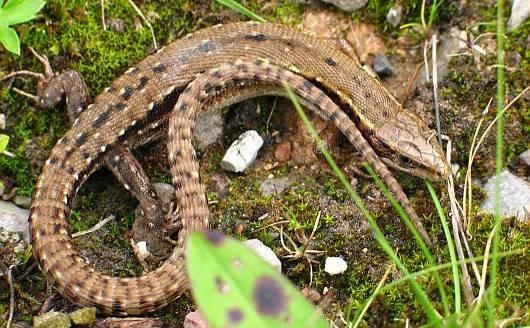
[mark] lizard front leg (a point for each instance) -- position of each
(69, 87)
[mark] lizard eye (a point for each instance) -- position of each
(405, 160)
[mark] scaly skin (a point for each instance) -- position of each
(136, 107)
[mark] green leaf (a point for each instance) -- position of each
(20, 11)
(4, 140)
(233, 287)
(9, 39)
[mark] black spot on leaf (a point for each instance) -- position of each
(269, 296)
(235, 316)
(215, 237)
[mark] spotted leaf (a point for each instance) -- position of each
(233, 287)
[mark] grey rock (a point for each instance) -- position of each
(242, 153)
(14, 219)
(220, 183)
(382, 65)
(165, 193)
(394, 15)
(85, 317)
(525, 157)
(265, 252)
(274, 186)
(520, 12)
(348, 5)
(208, 128)
(515, 196)
(22, 201)
(52, 320)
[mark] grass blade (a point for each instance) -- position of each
(450, 244)
(234, 5)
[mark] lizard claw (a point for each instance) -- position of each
(172, 225)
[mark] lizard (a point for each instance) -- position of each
(136, 107)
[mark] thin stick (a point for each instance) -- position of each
(102, 3)
(94, 228)
(146, 22)
(11, 295)
(435, 87)
(270, 116)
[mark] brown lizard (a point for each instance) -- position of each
(135, 108)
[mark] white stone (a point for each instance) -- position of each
(2, 121)
(143, 253)
(265, 252)
(394, 15)
(14, 218)
(335, 265)
(520, 12)
(514, 194)
(242, 153)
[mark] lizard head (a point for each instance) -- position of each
(406, 143)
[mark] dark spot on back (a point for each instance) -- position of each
(235, 316)
(56, 228)
(269, 296)
(111, 89)
(53, 160)
(256, 37)
(159, 68)
(206, 46)
(385, 113)
(367, 95)
(101, 119)
(215, 237)
(142, 82)
(127, 92)
(183, 106)
(119, 106)
(331, 62)
(71, 170)
(216, 73)
(207, 87)
(80, 139)
(308, 85)
(117, 307)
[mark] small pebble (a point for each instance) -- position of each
(273, 186)
(143, 253)
(242, 153)
(335, 265)
(2, 121)
(220, 183)
(382, 65)
(394, 15)
(195, 319)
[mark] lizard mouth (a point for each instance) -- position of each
(406, 165)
